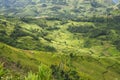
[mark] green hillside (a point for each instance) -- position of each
(19, 62)
(59, 40)
(82, 36)
(82, 49)
(38, 8)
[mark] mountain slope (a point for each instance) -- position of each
(65, 39)
(33, 8)
(87, 66)
(53, 35)
(90, 48)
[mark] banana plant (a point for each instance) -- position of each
(2, 71)
(44, 73)
(31, 76)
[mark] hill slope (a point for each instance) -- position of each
(70, 40)
(69, 36)
(88, 67)
(33, 8)
(81, 46)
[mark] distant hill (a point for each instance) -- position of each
(33, 8)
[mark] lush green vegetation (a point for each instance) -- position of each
(57, 66)
(59, 40)
(59, 8)
(69, 50)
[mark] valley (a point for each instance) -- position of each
(59, 40)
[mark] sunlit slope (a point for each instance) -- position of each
(88, 67)
(88, 46)
(65, 37)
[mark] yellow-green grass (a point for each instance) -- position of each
(92, 67)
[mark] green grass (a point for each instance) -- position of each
(86, 66)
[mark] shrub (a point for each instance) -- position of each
(87, 44)
(18, 32)
(117, 44)
(80, 28)
(31, 76)
(98, 32)
(2, 71)
(61, 74)
(50, 48)
(44, 73)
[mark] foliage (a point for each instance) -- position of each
(98, 32)
(18, 32)
(96, 4)
(44, 73)
(117, 43)
(2, 71)
(31, 76)
(92, 44)
(30, 8)
(80, 28)
(61, 74)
